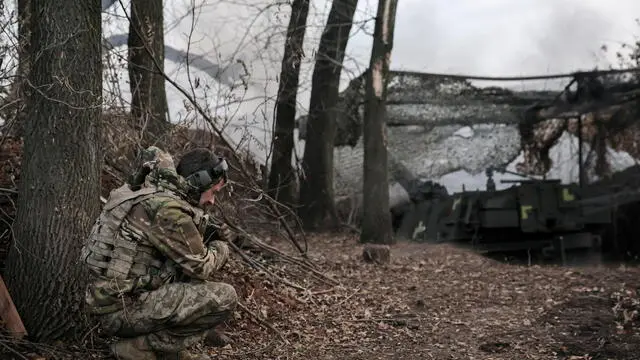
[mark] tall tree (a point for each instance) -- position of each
(317, 209)
(376, 218)
(282, 177)
(60, 178)
(146, 66)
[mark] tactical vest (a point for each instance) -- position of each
(115, 248)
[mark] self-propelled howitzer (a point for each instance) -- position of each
(532, 215)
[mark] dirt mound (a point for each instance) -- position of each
(121, 142)
(244, 205)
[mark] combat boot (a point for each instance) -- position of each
(216, 338)
(133, 349)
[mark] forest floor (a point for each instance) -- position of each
(429, 302)
(433, 302)
(442, 302)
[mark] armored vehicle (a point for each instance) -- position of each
(539, 215)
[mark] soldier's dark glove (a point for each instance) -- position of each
(221, 250)
(226, 233)
(233, 237)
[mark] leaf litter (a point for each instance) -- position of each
(430, 302)
(434, 302)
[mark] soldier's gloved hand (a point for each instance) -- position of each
(227, 234)
(231, 236)
(221, 249)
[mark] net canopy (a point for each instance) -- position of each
(440, 123)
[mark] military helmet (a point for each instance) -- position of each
(202, 168)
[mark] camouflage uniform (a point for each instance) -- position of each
(151, 271)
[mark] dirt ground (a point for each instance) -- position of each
(440, 302)
(430, 302)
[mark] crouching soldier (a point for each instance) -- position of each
(151, 272)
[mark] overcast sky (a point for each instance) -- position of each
(480, 37)
(486, 37)
(504, 37)
(494, 37)
(507, 36)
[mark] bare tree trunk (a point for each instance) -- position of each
(376, 218)
(282, 177)
(146, 49)
(60, 178)
(316, 186)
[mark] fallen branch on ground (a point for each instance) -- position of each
(258, 266)
(303, 263)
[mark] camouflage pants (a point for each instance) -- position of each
(175, 316)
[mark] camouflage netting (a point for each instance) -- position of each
(426, 113)
(427, 100)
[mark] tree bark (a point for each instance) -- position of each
(376, 218)
(60, 177)
(317, 208)
(282, 177)
(146, 65)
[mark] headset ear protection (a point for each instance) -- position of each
(200, 180)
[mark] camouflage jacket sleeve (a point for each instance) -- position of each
(175, 234)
